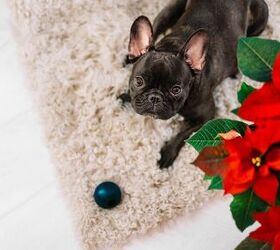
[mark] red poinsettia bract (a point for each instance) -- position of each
(252, 161)
(270, 227)
(265, 102)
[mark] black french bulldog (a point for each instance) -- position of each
(179, 73)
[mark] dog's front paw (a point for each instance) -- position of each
(125, 61)
(125, 98)
(168, 155)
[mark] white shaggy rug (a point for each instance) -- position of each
(72, 52)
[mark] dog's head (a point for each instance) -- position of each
(160, 81)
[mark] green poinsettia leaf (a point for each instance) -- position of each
(216, 183)
(242, 95)
(278, 199)
(256, 57)
(278, 196)
(235, 111)
(207, 178)
(243, 207)
(208, 136)
(251, 244)
(244, 92)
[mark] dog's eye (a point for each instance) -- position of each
(176, 90)
(139, 81)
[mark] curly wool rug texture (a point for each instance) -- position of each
(72, 52)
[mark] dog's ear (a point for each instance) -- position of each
(195, 50)
(141, 37)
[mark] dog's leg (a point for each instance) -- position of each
(171, 149)
(125, 98)
(168, 16)
(203, 112)
(258, 17)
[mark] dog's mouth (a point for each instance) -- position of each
(162, 110)
(155, 116)
(163, 115)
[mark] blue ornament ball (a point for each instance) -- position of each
(107, 195)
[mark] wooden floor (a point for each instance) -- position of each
(33, 215)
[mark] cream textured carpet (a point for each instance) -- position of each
(72, 52)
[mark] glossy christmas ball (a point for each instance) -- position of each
(107, 195)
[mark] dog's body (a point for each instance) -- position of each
(178, 74)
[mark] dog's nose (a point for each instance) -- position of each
(154, 98)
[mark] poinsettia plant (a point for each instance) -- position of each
(243, 157)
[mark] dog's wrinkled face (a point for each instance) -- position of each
(160, 81)
(159, 84)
